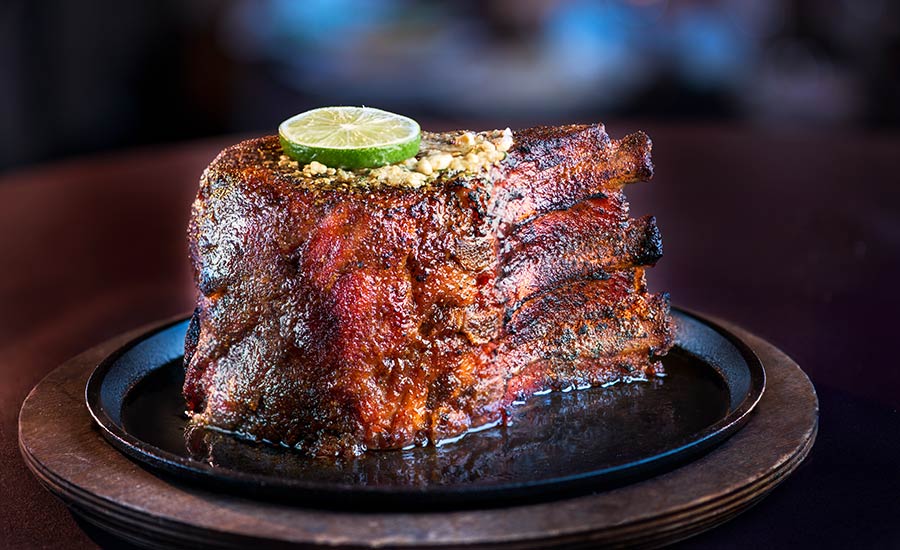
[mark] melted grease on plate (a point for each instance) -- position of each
(557, 435)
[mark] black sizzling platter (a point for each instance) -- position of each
(557, 444)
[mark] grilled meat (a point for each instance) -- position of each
(337, 318)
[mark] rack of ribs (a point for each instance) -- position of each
(336, 314)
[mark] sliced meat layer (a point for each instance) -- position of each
(553, 168)
(590, 240)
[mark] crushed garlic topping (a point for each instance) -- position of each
(440, 156)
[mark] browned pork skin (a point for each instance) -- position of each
(376, 318)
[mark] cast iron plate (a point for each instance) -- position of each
(555, 445)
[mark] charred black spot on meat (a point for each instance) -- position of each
(650, 248)
(192, 336)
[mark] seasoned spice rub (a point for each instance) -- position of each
(338, 313)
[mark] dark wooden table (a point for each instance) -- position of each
(794, 235)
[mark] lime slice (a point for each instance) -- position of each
(349, 137)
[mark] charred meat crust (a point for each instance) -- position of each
(379, 318)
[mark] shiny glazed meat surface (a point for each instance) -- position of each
(342, 320)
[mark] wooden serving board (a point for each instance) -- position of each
(66, 452)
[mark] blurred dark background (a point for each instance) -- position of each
(81, 77)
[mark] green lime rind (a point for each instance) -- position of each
(367, 157)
